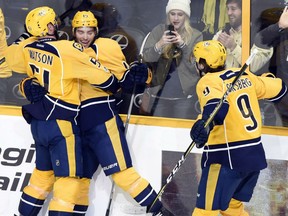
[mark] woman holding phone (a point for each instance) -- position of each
(168, 50)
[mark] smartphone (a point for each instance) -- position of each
(171, 28)
(227, 29)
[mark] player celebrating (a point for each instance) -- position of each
(233, 155)
(97, 131)
(57, 66)
(103, 136)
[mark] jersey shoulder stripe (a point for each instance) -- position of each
(45, 47)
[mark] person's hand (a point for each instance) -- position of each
(283, 20)
(227, 40)
(199, 134)
(166, 39)
(32, 89)
(177, 39)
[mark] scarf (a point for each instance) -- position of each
(208, 17)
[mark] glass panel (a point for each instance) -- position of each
(129, 21)
(264, 18)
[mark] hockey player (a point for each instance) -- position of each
(233, 153)
(57, 66)
(103, 136)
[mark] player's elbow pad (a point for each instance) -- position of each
(220, 115)
(280, 96)
(268, 74)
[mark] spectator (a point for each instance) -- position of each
(276, 36)
(231, 36)
(172, 92)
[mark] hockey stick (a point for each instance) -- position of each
(76, 5)
(140, 59)
(72, 8)
(208, 121)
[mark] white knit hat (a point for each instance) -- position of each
(183, 5)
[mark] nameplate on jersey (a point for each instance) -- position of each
(78, 46)
(229, 74)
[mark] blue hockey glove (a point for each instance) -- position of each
(199, 133)
(138, 73)
(32, 90)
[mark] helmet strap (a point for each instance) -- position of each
(55, 33)
(201, 68)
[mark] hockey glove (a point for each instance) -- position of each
(199, 134)
(32, 90)
(138, 73)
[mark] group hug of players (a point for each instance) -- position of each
(76, 127)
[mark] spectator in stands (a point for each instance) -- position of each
(231, 36)
(276, 36)
(172, 92)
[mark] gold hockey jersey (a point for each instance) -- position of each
(108, 53)
(98, 106)
(58, 66)
(237, 143)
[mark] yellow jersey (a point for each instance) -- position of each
(58, 66)
(237, 143)
(96, 102)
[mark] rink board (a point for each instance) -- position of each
(155, 150)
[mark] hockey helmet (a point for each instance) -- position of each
(84, 19)
(212, 51)
(38, 19)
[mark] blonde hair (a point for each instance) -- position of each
(185, 31)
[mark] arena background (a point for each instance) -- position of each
(157, 143)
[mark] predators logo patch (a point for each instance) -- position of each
(78, 46)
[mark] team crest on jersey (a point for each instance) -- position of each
(206, 91)
(78, 46)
